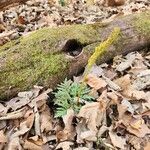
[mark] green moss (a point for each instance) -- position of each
(36, 59)
(29, 71)
(9, 45)
(53, 39)
(142, 23)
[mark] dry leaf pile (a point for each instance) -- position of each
(119, 118)
(36, 14)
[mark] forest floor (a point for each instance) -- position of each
(36, 14)
(111, 112)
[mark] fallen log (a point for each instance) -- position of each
(43, 57)
(5, 3)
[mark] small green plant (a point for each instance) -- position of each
(62, 2)
(71, 95)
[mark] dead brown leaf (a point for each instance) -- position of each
(65, 145)
(113, 96)
(117, 141)
(95, 82)
(111, 84)
(46, 120)
(81, 127)
(128, 90)
(135, 141)
(123, 82)
(138, 128)
(93, 114)
(3, 110)
(14, 115)
(21, 20)
(14, 144)
(41, 99)
(88, 135)
(25, 126)
(147, 147)
(69, 131)
(31, 146)
(81, 148)
(137, 123)
(2, 28)
(17, 103)
(3, 138)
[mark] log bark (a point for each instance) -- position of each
(5, 3)
(42, 58)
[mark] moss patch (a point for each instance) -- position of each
(36, 59)
(26, 72)
(142, 23)
(53, 39)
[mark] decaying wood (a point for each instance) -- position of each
(5, 3)
(114, 2)
(43, 58)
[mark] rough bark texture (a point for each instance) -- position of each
(5, 3)
(41, 58)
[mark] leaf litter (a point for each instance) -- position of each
(118, 118)
(35, 14)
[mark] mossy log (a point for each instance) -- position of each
(42, 57)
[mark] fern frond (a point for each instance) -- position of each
(67, 96)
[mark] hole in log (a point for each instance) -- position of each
(73, 47)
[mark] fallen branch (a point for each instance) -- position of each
(5, 3)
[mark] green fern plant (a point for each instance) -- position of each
(71, 95)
